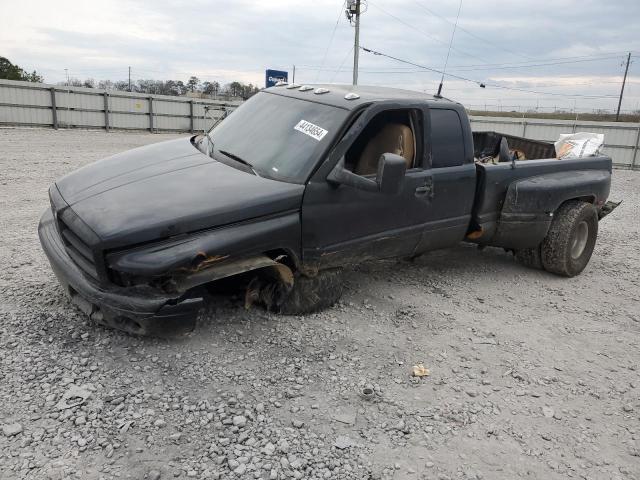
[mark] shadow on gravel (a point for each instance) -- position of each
(224, 308)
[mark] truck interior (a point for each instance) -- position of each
(391, 131)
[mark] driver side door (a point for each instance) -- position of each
(345, 224)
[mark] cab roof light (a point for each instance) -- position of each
(306, 88)
(321, 90)
(280, 83)
(292, 86)
(351, 96)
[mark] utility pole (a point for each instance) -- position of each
(293, 80)
(353, 11)
(66, 71)
(624, 80)
(129, 78)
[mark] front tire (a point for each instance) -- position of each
(310, 294)
(307, 294)
(567, 248)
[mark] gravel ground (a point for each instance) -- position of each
(532, 376)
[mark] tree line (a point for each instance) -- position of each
(170, 87)
(9, 71)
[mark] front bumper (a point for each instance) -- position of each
(140, 310)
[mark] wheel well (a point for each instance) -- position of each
(283, 256)
(586, 198)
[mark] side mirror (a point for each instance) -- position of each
(391, 170)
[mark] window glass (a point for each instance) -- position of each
(390, 131)
(280, 137)
(447, 142)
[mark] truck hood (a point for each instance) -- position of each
(166, 189)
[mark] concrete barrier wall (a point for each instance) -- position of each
(42, 105)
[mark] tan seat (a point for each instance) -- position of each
(393, 138)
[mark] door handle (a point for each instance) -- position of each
(426, 189)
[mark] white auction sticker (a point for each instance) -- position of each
(308, 128)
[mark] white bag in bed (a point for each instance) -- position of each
(578, 145)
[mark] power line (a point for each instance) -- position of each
(489, 67)
(509, 65)
(341, 64)
(600, 56)
(324, 58)
(422, 32)
(483, 84)
(428, 10)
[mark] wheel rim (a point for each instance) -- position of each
(580, 238)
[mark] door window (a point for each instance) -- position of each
(392, 131)
(447, 142)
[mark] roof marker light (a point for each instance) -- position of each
(351, 96)
(321, 90)
(306, 88)
(293, 85)
(280, 83)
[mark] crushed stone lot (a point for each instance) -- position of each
(532, 376)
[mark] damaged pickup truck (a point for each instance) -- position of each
(295, 184)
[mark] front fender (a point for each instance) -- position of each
(204, 249)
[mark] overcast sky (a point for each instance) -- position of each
(499, 43)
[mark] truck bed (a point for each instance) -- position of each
(515, 199)
(487, 144)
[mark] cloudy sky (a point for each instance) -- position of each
(560, 53)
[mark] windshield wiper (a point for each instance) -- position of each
(215, 124)
(239, 160)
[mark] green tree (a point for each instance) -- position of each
(210, 88)
(192, 83)
(9, 71)
(235, 89)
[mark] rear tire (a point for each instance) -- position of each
(567, 248)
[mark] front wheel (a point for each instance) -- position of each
(307, 294)
(567, 248)
(310, 294)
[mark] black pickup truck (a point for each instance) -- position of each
(298, 182)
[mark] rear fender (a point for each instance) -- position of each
(530, 203)
(545, 193)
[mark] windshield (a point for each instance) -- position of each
(279, 137)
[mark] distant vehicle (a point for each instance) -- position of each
(295, 184)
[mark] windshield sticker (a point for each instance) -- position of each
(308, 128)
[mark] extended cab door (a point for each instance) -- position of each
(453, 170)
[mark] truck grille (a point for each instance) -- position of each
(79, 251)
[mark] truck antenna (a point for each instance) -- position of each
(444, 70)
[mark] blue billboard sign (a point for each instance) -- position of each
(274, 76)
